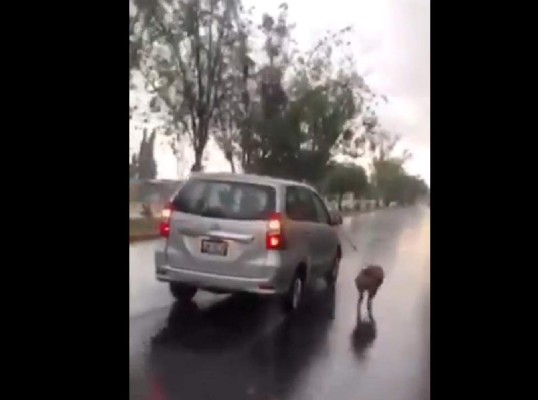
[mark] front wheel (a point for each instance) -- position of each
(332, 275)
(182, 292)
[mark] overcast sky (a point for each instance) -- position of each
(391, 43)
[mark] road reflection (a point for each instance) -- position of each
(364, 334)
(242, 347)
(221, 327)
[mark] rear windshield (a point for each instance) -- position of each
(228, 200)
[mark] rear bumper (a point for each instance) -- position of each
(277, 283)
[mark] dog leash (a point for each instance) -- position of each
(350, 242)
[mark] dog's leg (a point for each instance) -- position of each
(371, 295)
(369, 306)
(359, 305)
(359, 318)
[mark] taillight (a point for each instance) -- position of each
(275, 236)
(164, 226)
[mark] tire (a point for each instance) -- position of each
(331, 276)
(292, 299)
(182, 292)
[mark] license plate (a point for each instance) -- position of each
(215, 247)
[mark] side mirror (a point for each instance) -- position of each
(336, 219)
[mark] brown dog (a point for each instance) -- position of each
(369, 279)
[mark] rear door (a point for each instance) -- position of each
(219, 227)
(317, 231)
(299, 209)
(325, 235)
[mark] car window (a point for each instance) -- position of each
(321, 210)
(299, 205)
(227, 200)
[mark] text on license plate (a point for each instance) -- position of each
(216, 247)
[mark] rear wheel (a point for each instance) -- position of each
(182, 292)
(332, 275)
(292, 299)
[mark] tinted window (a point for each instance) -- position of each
(228, 200)
(321, 210)
(299, 205)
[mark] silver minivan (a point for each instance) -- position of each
(247, 233)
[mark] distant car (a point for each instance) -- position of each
(247, 233)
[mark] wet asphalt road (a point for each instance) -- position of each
(234, 347)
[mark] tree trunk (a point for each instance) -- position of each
(200, 140)
(232, 165)
(198, 152)
(229, 156)
(340, 198)
(197, 166)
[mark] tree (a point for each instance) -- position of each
(288, 130)
(316, 116)
(146, 165)
(261, 121)
(186, 47)
(408, 189)
(392, 182)
(286, 116)
(133, 43)
(133, 167)
(339, 106)
(387, 174)
(346, 178)
(388, 168)
(320, 115)
(231, 118)
(371, 190)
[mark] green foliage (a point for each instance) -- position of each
(298, 128)
(408, 189)
(286, 116)
(346, 178)
(186, 48)
(394, 184)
